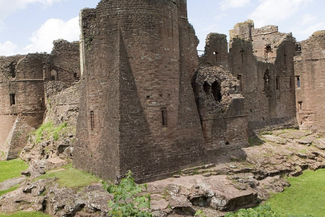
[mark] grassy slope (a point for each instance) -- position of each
(11, 169)
(306, 196)
(71, 178)
(25, 214)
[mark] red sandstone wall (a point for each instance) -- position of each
(137, 106)
(310, 67)
(269, 100)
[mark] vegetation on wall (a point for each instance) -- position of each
(48, 131)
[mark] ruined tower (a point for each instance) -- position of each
(137, 109)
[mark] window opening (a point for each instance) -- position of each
(206, 88)
(240, 82)
(216, 55)
(267, 50)
(285, 61)
(164, 116)
(298, 81)
(266, 78)
(277, 84)
(12, 99)
(92, 120)
(75, 75)
(216, 91)
(300, 105)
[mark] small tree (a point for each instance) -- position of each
(128, 200)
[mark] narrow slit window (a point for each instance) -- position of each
(75, 75)
(12, 99)
(242, 55)
(92, 120)
(216, 55)
(240, 82)
(277, 83)
(285, 61)
(266, 79)
(300, 105)
(298, 81)
(164, 116)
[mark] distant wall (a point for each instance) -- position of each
(309, 82)
(262, 60)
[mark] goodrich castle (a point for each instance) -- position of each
(149, 103)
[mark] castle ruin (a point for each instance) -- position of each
(149, 103)
(23, 84)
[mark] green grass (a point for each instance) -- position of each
(25, 214)
(8, 190)
(71, 178)
(306, 196)
(48, 130)
(11, 169)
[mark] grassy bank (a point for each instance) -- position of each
(11, 169)
(306, 196)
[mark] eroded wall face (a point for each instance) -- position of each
(309, 82)
(63, 63)
(264, 66)
(22, 99)
(137, 106)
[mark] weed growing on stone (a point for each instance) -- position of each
(127, 199)
(48, 130)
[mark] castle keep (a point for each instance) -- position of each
(137, 107)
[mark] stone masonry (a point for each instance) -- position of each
(22, 97)
(262, 61)
(309, 82)
(137, 109)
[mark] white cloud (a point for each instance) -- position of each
(308, 19)
(52, 29)
(226, 4)
(313, 28)
(270, 11)
(9, 7)
(8, 48)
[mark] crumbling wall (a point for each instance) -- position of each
(22, 99)
(309, 82)
(22, 94)
(262, 60)
(137, 108)
(220, 105)
(63, 63)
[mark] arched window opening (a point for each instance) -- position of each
(206, 88)
(266, 78)
(216, 91)
(54, 75)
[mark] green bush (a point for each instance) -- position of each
(128, 200)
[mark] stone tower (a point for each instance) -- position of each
(137, 109)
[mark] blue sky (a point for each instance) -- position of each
(28, 26)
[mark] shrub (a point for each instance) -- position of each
(127, 199)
